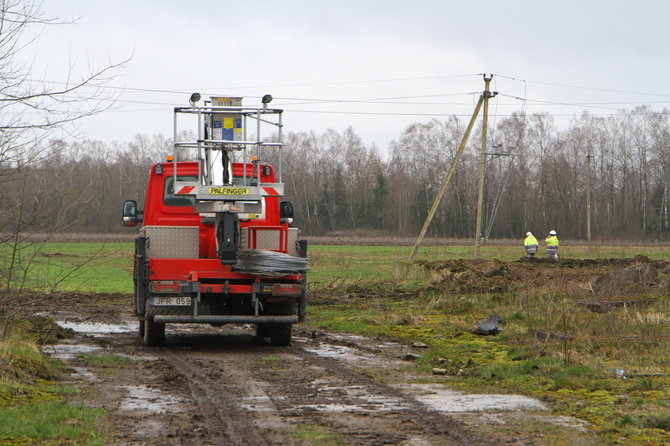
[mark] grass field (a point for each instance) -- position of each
(84, 267)
(107, 267)
(610, 368)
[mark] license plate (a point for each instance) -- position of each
(171, 301)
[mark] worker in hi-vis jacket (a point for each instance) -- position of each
(530, 245)
(552, 245)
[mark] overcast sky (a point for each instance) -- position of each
(377, 66)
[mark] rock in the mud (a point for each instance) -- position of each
(411, 357)
(543, 335)
(439, 371)
(502, 271)
(491, 325)
(419, 345)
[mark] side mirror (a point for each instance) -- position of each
(286, 212)
(130, 213)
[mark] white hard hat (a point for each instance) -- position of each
(552, 232)
(529, 233)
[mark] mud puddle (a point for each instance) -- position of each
(149, 400)
(98, 328)
(444, 400)
(433, 396)
(68, 352)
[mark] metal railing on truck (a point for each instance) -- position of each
(222, 125)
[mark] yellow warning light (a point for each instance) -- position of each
(169, 158)
(253, 158)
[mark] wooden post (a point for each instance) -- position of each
(443, 187)
(482, 164)
(588, 196)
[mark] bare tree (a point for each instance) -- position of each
(30, 112)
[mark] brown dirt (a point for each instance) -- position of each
(601, 278)
(216, 386)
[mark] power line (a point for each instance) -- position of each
(346, 112)
(582, 87)
(570, 104)
(334, 112)
(306, 84)
(313, 101)
(387, 100)
(384, 101)
(393, 100)
(527, 102)
(357, 81)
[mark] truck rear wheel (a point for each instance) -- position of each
(281, 334)
(263, 330)
(154, 332)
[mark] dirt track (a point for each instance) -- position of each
(220, 386)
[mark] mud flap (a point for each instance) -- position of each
(301, 247)
(302, 299)
(140, 275)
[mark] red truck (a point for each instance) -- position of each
(216, 245)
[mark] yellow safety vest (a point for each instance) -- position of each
(552, 240)
(530, 240)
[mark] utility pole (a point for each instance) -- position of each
(588, 196)
(482, 162)
(443, 187)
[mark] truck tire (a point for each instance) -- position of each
(263, 330)
(141, 328)
(154, 332)
(281, 334)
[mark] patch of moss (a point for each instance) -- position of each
(311, 434)
(12, 393)
(273, 360)
(102, 361)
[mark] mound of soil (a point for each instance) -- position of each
(612, 276)
(633, 278)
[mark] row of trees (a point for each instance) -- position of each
(337, 183)
(542, 185)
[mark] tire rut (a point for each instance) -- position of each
(218, 406)
(246, 402)
(433, 422)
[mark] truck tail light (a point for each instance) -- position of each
(285, 289)
(165, 286)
